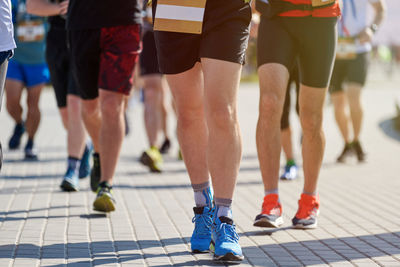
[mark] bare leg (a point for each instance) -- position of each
(286, 138)
(112, 132)
(224, 150)
(13, 96)
(64, 117)
(76, 129)
(339, 103)
(311, 102)
(33, 114)
(273, 83)
(187, 90)
(92, 119)
(356, 110)
(152, 107)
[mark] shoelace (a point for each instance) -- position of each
(227, 232)
(203, 224)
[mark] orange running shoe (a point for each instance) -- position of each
(271, 214)
(306, 216)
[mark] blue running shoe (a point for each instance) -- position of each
(226, 241)
(84, 169)
(30, 152)
(290, 172)
(70, 182)
(15, 139)
(201, 237)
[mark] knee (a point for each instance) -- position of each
(112, 107)
(151, 96)
(188, 115)
(311, 122)
(270, 108)
(33, 106)
(222, 117)
(74, 105)
(89, 108)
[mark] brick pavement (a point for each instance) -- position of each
(359, 223)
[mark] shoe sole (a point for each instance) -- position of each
(305, 227)
(103, 204)
(149, 162)
(264, 222)
(68, 187)
(229, 257)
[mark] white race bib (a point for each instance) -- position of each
(346, 48)
(184, 16)
(30, 31)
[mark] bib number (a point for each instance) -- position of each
(30, 31)
(346, 48)
(320, 3)
(184, 16)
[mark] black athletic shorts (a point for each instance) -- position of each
(224, 36)
(353, 70)
(313, 40)
(105, 58)
(59, 61)
(148, 58)
(293, 79)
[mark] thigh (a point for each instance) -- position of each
(339, 75)
(85, 58)
(275, 44)
(317, 50)
(358, 69)
(226, 30)
(120, 48)
(221, 82)
(187, 89)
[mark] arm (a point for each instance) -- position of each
(45, 8)
(380, 9)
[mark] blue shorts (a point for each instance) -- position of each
(29, 74)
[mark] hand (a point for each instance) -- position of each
(63, 7)
(365, 36)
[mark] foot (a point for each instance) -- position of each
(226, 240)
(30, 151)
(104, 201)
(201, 237)
(290, 172)
(152, 158)
(15, 139)
(84, 168)
(95, 173)
(164, 149)
(70, 182)
(358, 150)
(306, 216)
(271, 213)
(347, 151)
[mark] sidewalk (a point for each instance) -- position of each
(359, 223)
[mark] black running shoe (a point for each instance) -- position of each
(164, 149)
(104, 201)
(30, 151)
(347, 151)
(95, 174)
(358, 150)
(15, 139)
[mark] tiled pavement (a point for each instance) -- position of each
(359, 223)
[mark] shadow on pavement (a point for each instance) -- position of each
(387, 126)
(103, 252)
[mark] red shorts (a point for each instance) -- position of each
(105, 58)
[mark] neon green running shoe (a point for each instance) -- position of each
(152, 158)
(104, 201)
